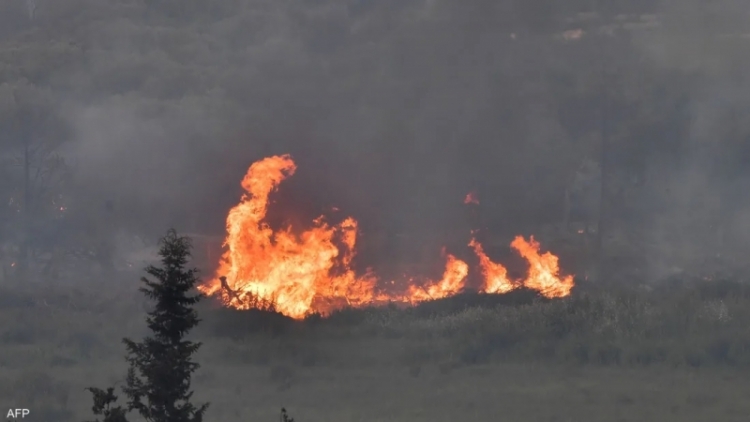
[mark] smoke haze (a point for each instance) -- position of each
(395, 110)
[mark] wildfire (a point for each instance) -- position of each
(543, 269)
(295, 272)
(452, 283)
(543, 276)
(310, 271)
(495, 275)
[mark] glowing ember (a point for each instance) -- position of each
(310, 272)
(471, 198)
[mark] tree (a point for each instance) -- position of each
(103, 405)
(36, 173)
(161, 366)
(158, 381)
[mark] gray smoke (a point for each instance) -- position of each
(395, 110)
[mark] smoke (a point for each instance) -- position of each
(698, 185)
(146, 166)
(395, 110)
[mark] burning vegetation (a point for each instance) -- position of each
(311, 272)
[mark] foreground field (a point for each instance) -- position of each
(498, 392)
(677, 353)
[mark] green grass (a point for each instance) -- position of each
(679, 352)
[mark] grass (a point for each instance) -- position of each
(680, 351)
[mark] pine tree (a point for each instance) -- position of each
(104, 405)
(160, 370)
(161, 366)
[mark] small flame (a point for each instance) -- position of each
(451, 283)
(495, 275)
(543, 275)
(471, 198)
(544, 271)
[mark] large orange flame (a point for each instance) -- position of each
(495, 275)
(310, 272)
(544, 272)
(295, 272)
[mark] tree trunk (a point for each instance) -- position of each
(23, 261)
(604, 183)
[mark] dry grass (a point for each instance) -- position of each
(679, 353)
